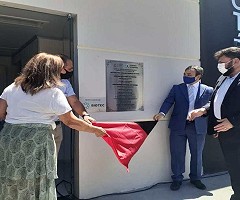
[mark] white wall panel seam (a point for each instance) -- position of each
(135, 53)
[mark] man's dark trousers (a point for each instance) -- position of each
(178, 151)
(229, 142)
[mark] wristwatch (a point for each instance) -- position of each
(85, 115)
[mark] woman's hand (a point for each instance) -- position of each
(88, 119)
(100, 132)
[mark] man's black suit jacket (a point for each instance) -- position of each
(230, 107)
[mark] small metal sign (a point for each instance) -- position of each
(97, 104)
(124, 86)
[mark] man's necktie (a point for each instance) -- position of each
(191, 97)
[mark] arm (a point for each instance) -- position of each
(203, 111)
(3, 108)
(69, 119)
(196, 113)
(167, 104)
(78, 107)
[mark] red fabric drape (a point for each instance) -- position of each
(125, 138)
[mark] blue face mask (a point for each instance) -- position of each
(188, 80)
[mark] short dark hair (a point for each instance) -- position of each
(230, 52)
(199, 70)
(64, 58)
(41, 71)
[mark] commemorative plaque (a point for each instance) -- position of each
(124, 86)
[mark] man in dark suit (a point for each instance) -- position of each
(224, 113)
(185, 97)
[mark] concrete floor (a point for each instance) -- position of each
(218, 188)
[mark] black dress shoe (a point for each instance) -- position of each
(198, 184)
(175, 185)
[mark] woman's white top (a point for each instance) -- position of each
(42, 107)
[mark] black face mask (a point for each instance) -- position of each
(67, 75)
(229, 70)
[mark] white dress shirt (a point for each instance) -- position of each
(220, 94)
(195, 87)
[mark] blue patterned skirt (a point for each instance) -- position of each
(27, 162)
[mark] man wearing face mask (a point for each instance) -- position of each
(185, 97)
(68, 91)
(224, 113)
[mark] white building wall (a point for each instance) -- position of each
(165, 36)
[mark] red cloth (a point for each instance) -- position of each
(125, 138)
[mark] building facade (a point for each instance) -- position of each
(164, 36)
